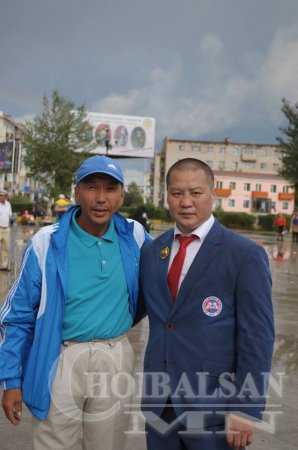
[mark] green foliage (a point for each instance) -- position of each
(241, 221)
(152, 212)
(133, 196)
(52, 140)
(289, 144)
(265, 222)
(20, 204)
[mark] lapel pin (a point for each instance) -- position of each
(164, 252)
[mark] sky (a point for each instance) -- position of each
(205, 69)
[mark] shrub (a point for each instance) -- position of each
(239, 220)
(20, 204)
(265, 222)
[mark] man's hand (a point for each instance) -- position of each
(239, 431)
(12, 405)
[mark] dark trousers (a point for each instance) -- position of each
(161, 437)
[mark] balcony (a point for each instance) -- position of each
(220, 192)
(259, 194)
(286, 196)
(249, 154)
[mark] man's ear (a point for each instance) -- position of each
(77, 195)
(122, 197)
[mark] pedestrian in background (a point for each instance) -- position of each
(207, 292)
(38, 209)
(5, 217)
(63, 324)
(294, 227)
(280, 223)
(61, 206)
(140, 215)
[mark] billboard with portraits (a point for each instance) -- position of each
(120, 135)
(6, 157)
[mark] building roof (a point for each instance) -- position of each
(226, 141)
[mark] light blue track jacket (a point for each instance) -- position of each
(32, 314)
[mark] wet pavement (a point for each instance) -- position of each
(279, 430)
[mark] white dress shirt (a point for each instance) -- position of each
(192, 248)
(5, 214)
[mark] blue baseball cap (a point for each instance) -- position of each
(100, 164)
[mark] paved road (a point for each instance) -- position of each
(279, 430)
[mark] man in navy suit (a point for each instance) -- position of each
(211, 338)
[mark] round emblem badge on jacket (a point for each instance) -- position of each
(212, 306)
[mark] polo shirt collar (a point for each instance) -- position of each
(87, 238)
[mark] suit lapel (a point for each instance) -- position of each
(162, 258)
(200, 264)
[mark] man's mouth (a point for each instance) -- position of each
(186, 214)
(99, 211)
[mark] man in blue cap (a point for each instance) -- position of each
(63, 348)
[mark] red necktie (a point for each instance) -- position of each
(177, 264)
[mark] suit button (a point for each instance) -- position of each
(170, 325)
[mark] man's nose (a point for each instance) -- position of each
(186, 200)
(100, 195)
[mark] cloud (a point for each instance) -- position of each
(25, 118)
(226, 99)
(210, 46)
(278, 75)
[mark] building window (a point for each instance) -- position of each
(249, 165)
(222, 164)
(210, 163)
(218, 203)
(210, 149)
(273, 188)
(236, 151)
(276, 153)
(263, 166)
(195, 149)
(258, 187)
(276, 167)
(285, 188)
(273, 206)
(235, 165)
(245, 203)
(222, 150)
(181, 148)
(232, 185)
(263, 152)
(231, 202)
(249, 151)
(285, 205)
(219, 184)
(246, 186)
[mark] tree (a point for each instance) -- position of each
(289, 145)
(133, 196)
(52, 140)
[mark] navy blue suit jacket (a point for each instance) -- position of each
(209, 348)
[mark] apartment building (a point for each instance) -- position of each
(246, 175)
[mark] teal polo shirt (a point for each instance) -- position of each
(97, 303)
